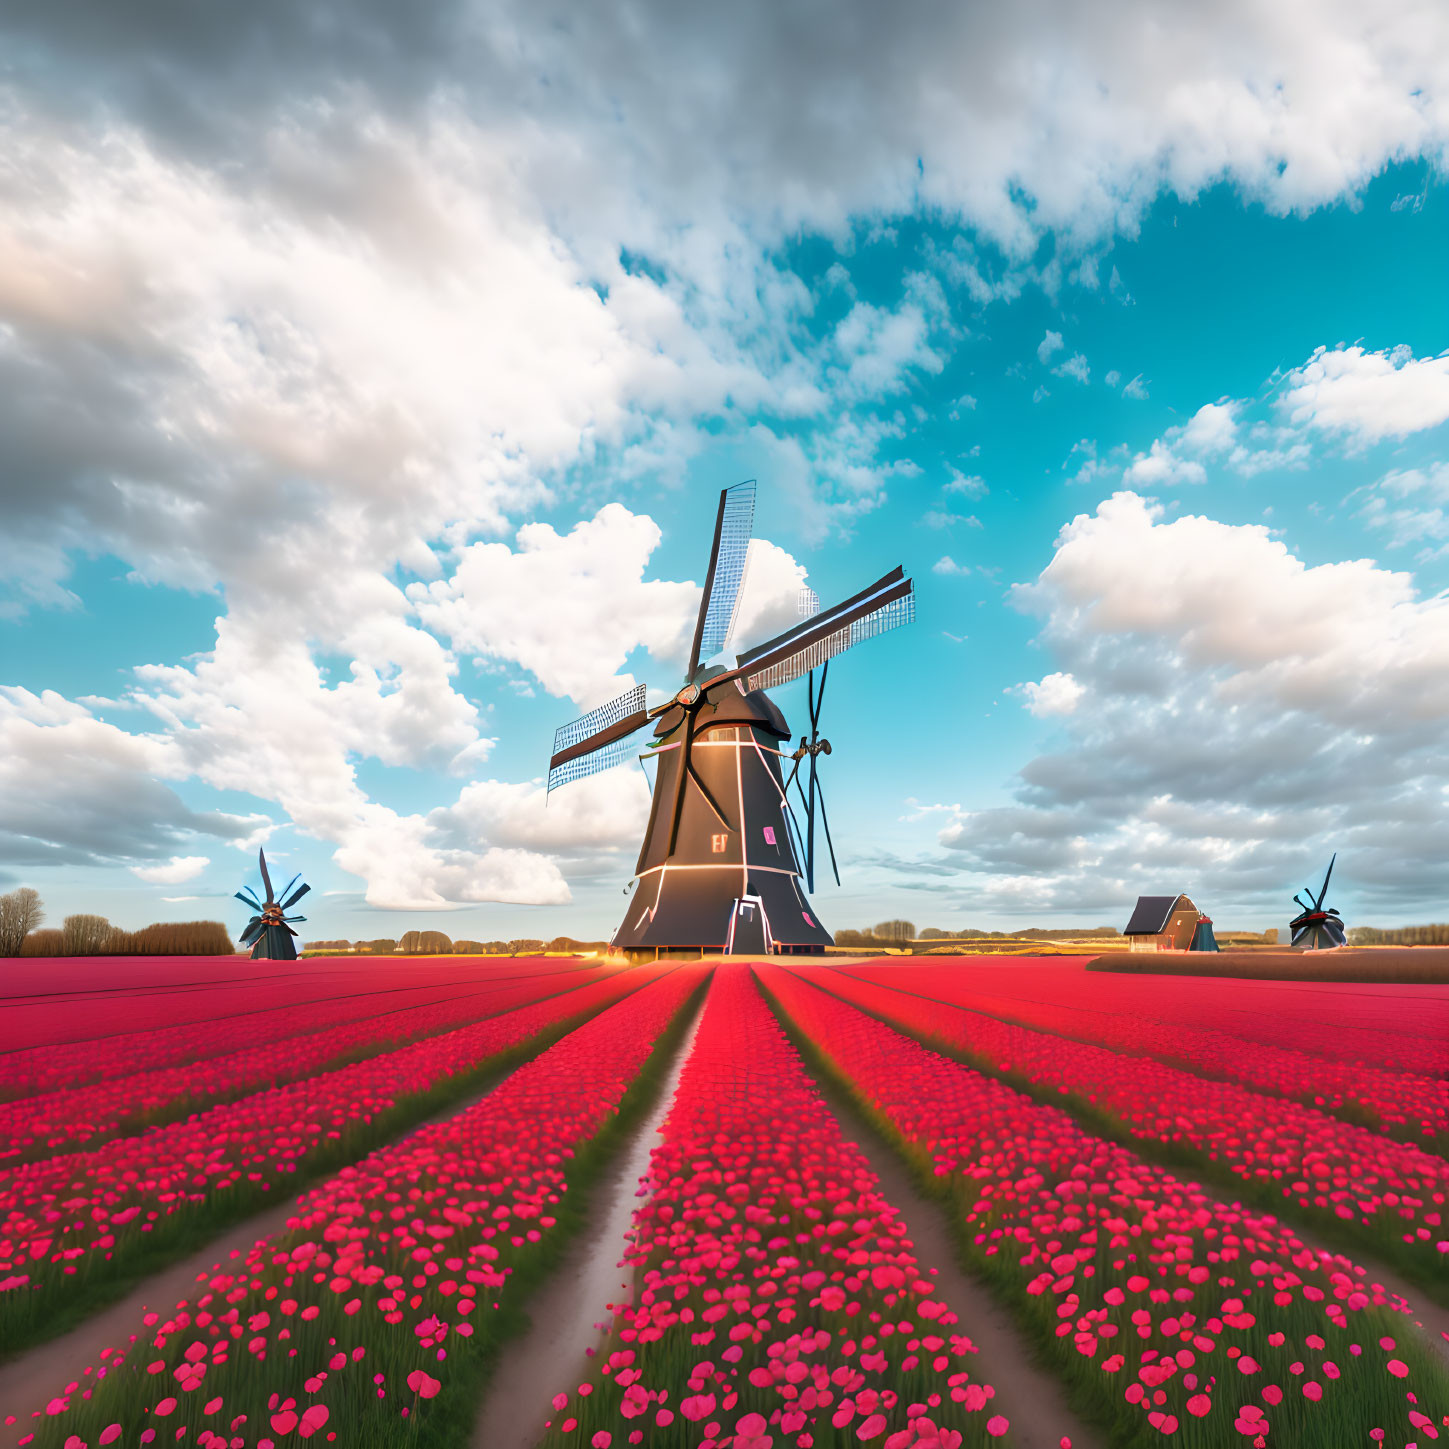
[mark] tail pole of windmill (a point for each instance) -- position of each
(721, 863)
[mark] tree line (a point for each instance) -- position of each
(435, 943)
(902, 933)
(22, 933)
(1435, 935)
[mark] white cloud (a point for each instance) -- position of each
(569, 608)
(770, 596)
(1162, 465)
(968, 485)
(607, 812)
(172, 872)
(1057, 694)
(1112, 378)
(1049, 344)
(75, 790)
(1075, 367)
(1212, 429)
(949, 568)
(1421, 516)
(1136, 388)
(1236, 716)
(878, 348)
(371, 286)
(1365, 397)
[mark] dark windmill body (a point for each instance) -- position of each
(270, 928)
(721, 863)
(1317, 929)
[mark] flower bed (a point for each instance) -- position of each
(76, 1223)
(118, 1028)
(778, 1298)
(1385, 1194)
(366, 1317)
(33, 1128)
(1153, 1021)
(1172, 1313)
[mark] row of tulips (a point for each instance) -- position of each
(1376, 1023)
(33, 1128)
(777, 1298)
(1408, 1105)
(127, 1038)
(1174, 1314)
(365, 1318)
(1385, 1194)
(74, 1224)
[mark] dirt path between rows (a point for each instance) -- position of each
(567, 1313)
(29, 1381)
(1030, 1396)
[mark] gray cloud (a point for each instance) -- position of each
(1240, 718)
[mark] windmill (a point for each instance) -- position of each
(271, 928)
(1316, 929)
(719, 869)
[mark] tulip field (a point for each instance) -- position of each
(1179, 1210)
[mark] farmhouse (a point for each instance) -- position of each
(1169, 923)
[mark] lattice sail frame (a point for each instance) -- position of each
(880, 621)
(612, 713)
(732, 563)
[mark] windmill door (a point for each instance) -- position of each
(749, 933)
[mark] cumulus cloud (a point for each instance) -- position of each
(173, 872)
(1054, 695)
(75, 790)
(1236, 715)
(1049, 344)
(368, 285)
(569, 608)
(1364, 396)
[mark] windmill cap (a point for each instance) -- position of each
(728, 706)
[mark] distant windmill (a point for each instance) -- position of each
(1316, 929)
(270, 928)
(719, 869)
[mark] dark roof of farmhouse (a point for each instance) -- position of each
(1150, 915)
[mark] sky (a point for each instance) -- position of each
(368, 375)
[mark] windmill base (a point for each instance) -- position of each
(637, 955)
(691, 911)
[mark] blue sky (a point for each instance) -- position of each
(363, 425)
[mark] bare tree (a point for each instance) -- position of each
(85, 935)
(897, 932)
(20, 913)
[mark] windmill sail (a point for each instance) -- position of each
(722, 844)
(598, 739)
(733, 526)
(887, 604)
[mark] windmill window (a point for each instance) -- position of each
(717, 843)
(769, 835)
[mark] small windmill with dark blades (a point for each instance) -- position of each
(719, 869)
(271, 928)
(1317, 929)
